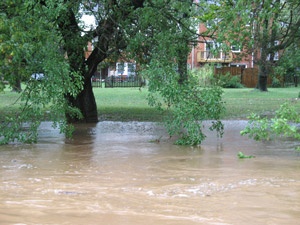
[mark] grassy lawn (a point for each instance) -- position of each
(241, 102)
(8, 102)
(125, 104)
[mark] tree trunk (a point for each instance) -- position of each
(263, 75)
(263, 62)
(262, 83)
(16, 87)
(183, 52)
(74, 43)
(182, 70)
(86, 103)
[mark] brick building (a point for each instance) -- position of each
(206, 52)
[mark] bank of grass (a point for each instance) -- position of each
(124, 104)
(240, 103)
(8, 102)
(130, 104)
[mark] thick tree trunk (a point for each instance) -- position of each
(74, 43)
(86, 103)
(263, 60)
(182, 63)
(182, 70)
(262, 76)
(262, 83)
(16, 87)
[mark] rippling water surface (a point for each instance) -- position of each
(120, 174)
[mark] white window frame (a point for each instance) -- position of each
(120, 68)
(235, 46)
(123, 68)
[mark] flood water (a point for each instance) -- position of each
(119, 174)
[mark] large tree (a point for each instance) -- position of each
(263, 29)
(51, 39)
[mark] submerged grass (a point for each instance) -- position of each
(130, 104)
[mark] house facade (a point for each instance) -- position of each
(208, 51)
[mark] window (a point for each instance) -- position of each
(212, 23)
(120, 68)
(276, 54)
(127, 69)
(235, 48)
(212, 45)
(212, 50)
(130, 69)
(238, 65)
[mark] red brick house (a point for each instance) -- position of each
(203, 54)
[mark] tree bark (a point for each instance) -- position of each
(16, 87)
(262, 82)
(182, 69)
(263, 62)
(86, 103)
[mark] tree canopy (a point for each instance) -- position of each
(263, 29)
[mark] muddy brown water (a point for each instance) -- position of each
(117, 174)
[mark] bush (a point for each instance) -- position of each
(228, 81)
(283, 124)
(275, 83)
(203, 76)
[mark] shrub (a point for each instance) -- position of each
(275, 83)
(228, 81)
(203, 76)
(283, 124)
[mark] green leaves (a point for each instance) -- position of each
(185, 106)
(192, 106)
(241, 155)
(283, 124)
(35, 47)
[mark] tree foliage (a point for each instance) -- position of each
(185, 106)
(289, 63)
(284, 124)
(30, 44)
(49, 37)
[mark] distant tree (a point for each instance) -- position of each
(261, 28)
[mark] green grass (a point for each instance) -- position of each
(8, 102)
(130, 104)
(240, 103)
(124, 104)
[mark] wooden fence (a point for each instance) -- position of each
(249, 76)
